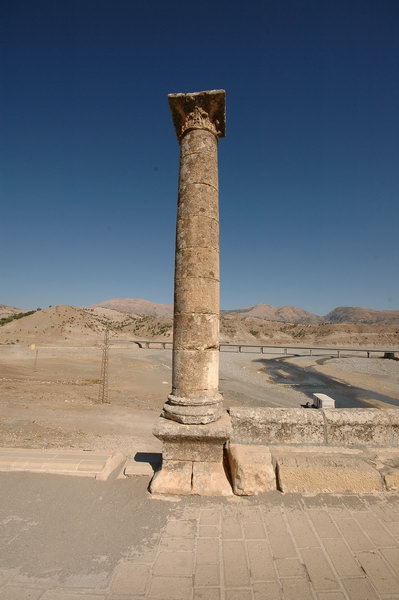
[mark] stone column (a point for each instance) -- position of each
(193, 426)
(199, 120)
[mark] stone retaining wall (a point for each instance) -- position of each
(354, 427)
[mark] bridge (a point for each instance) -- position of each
(271, 349)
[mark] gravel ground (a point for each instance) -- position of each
(367, 366)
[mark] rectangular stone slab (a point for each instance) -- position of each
(277, 426)
(326, 474)
(357, 427)
(251, 469)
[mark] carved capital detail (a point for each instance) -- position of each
(198, 119)
(199, 110)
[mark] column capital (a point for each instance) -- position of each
(199, 110)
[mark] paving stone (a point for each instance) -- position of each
(236, 572)
(176, 544)
(238, 594)
(19, 593)
(260, 560)
(268, 590)
(208, 531)
(207, 594)
(5, 574)
(130, 577)
(353, 534)
(375, 530)
(282, 545)
(391, 555)
(180, 529)
(210, 516)
(251, 514)
(290, 567)
(330, 596)
(301, 530)
(295, 589)
(181, 565)
(342, 559)
(253, 531)
(231, 528)
(281, 542)
(319, 570)
(378, 572)
(207, 551)
(207, 575)
(323, 524)
(359, 589)
(170, 588)
(66, 595)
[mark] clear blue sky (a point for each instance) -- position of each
(309, 175)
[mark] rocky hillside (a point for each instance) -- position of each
(356, 314)
(287, 314)
(7, 311)
(72, 325)
(137, 306)
(69, 324)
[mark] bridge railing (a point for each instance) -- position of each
(260, 348)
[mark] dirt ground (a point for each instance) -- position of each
(51, 400)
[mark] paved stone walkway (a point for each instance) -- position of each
(270, 548)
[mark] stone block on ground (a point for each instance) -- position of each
(251, 469)
(276, 426)
(173, 478)
(326, 474)
(210, 479)
(392, 480)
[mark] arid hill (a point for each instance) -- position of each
(7, 311)
(283, 314)
(287, 314)
(137, 306)
(357, 314)
(71, 325)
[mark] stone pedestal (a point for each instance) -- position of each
(193, 459)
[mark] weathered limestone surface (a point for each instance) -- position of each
(392, 480)
(174, 478)
(330, 474)
(251, 469)
(199, 120)
(209, 479)
(352, 427)
(193, 442)
(393, 416)
(277, 426)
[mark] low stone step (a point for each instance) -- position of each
(297, 472)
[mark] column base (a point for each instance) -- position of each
(189, 411)
(192, 458)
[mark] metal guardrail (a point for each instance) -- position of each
(260, 348)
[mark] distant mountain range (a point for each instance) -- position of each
(285, 314)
